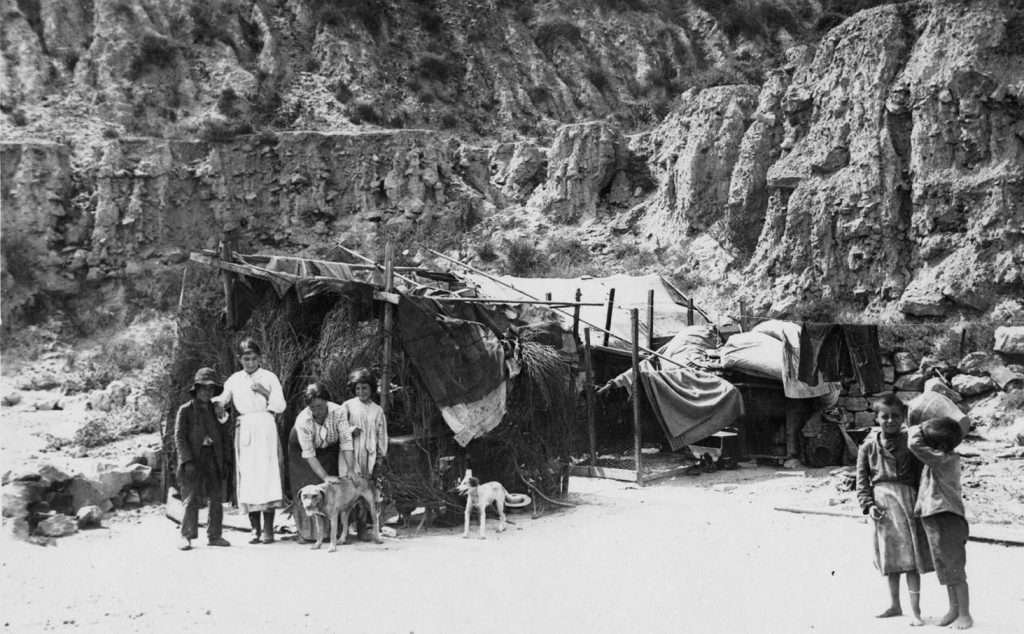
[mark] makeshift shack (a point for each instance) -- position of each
(486, 385)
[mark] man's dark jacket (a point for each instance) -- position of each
(192, 426)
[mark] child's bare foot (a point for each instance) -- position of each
(963, 623)
(893, 611)
(916, 621)
(947, 619)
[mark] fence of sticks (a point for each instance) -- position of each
(326, 338)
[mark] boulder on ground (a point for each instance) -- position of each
(140, 473)
(903, 362)
(854, 403)
(977, 363)
(111, 480)
(18, 528)
(969, 385)
(118, 391)
(99, 400)
(1010, 339)
(930, 365)
(12, 398)
(89, 517)
(939, 386)
(51, 475)
(1006, 378)
(57, 526)
(85, 492)
(18, 495)
(913, 382)
(863, 419)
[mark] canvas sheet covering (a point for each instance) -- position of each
(690, 404)
(772, 350)
(461, 364)
(670, 313)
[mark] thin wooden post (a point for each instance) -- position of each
(547, 296)
(608, 315)
(689, 311)
(743, 315)
(576, 317)
(650, 318)
(588, 368)
(229, 279)
(634, 317)
(389, 318)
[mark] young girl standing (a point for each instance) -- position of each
(887, 480)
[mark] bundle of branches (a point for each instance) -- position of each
(284, 349)
(344, 344)
(541, 410)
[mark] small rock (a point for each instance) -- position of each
(904, 362)
(51, 475)
(968, 385)
(1006, 378)
(99, 400)
(854, 403)
(85, 492)
(118, 391)
(18, 496)
(976, 363)
(89, 517)
(913, 382)
(12, 398)
(58, 526)
(724, 488)
(47, 404)
(140, 473)
(132, 498)
(18, 528)
(937, 385)
(1010, 339)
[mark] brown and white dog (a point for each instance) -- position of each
(333, 501)
(480, 496)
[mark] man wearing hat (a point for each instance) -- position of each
(201, 459)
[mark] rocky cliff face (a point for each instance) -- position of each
(878, 169)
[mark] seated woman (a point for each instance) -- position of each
(319, 450)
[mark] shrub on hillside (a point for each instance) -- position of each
(370, 13)
(522, 257)
(363, 112)
(556, 30)
(597, 77)
(433, 67)
(155, 52)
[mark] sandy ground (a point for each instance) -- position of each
(682, 555)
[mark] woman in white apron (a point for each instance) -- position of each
(256, 396)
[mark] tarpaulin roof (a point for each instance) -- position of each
(670, 311)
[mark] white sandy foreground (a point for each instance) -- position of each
(675, 557)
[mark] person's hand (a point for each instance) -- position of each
(876, 512)
(218, 409)
(260, 389)
(332, 479)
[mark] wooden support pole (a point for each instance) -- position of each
(547, 297)
(576, 317)
(650, 318)
(634, 317)
(588, 368)
(226, 244)
(743, 315)
(389, 318)
(689, 311)
(608, 315)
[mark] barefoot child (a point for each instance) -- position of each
(887, 477)
(941, 508)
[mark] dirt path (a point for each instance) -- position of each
(674, 557)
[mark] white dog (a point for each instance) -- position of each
(480, 496)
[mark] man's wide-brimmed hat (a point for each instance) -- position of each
(207, 376)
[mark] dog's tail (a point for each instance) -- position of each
(517, 500)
